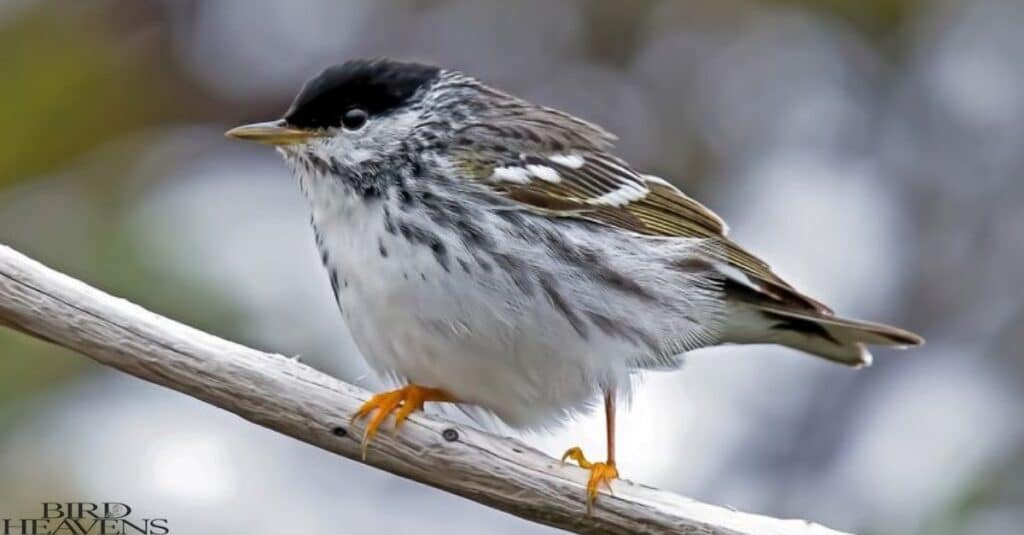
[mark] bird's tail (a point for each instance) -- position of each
(817, 332)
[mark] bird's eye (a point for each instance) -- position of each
(354, 119)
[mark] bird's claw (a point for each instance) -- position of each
(402, 402)
(600, 474)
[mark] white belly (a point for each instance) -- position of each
(460, 328)
(511, 326)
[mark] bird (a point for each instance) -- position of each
(490, 252)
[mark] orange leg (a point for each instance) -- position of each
(600, 473)
(402, 402)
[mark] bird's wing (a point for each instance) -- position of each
(588, 182)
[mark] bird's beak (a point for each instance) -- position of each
(275, 133)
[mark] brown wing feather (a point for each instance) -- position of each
(666, 214)
(567, 178)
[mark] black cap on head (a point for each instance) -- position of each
(375, 86)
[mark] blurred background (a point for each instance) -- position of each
(872, 151)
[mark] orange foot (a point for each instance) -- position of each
(405, 400)
(600, 473)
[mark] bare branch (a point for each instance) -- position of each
(298, 401)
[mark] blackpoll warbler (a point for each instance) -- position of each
(492, 252)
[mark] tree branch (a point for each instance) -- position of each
(298, 401)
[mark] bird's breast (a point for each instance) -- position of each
(503, 312)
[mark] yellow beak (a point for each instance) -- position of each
(275, 133)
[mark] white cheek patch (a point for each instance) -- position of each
(517, 175)
(377, 137)
(544, 173)
(360, 155)
(345, 148)
(572, 161)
